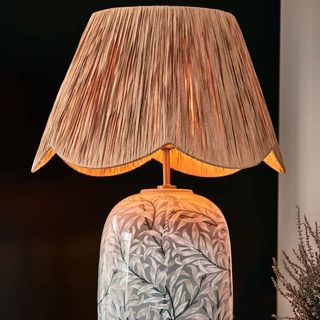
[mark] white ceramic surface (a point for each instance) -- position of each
(165, 254)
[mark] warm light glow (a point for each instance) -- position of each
(272, 161)
(179, 161)
(145, 77)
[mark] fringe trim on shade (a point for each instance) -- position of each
(145, 77)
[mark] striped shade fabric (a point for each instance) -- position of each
(146, 77)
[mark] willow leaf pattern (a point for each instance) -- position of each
(165, 255)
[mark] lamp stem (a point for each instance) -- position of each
(166, 168)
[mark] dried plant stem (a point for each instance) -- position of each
(300, 284)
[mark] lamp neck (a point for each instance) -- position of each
(166, 169)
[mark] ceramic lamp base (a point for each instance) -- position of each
(165, 254)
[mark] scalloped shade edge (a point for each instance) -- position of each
(179, 161)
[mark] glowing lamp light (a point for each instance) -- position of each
(174, 84)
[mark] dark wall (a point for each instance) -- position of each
(51, 221)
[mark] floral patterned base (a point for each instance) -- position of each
(165, 254)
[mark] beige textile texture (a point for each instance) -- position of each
(146, 77)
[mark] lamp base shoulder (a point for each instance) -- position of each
(165, 254)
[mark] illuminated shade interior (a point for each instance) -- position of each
(146, 77)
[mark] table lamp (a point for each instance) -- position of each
(174, 84)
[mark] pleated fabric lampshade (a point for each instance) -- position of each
(145, 77)
(174, 84)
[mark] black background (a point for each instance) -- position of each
(51, 221)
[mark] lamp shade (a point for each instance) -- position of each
(146, 77)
